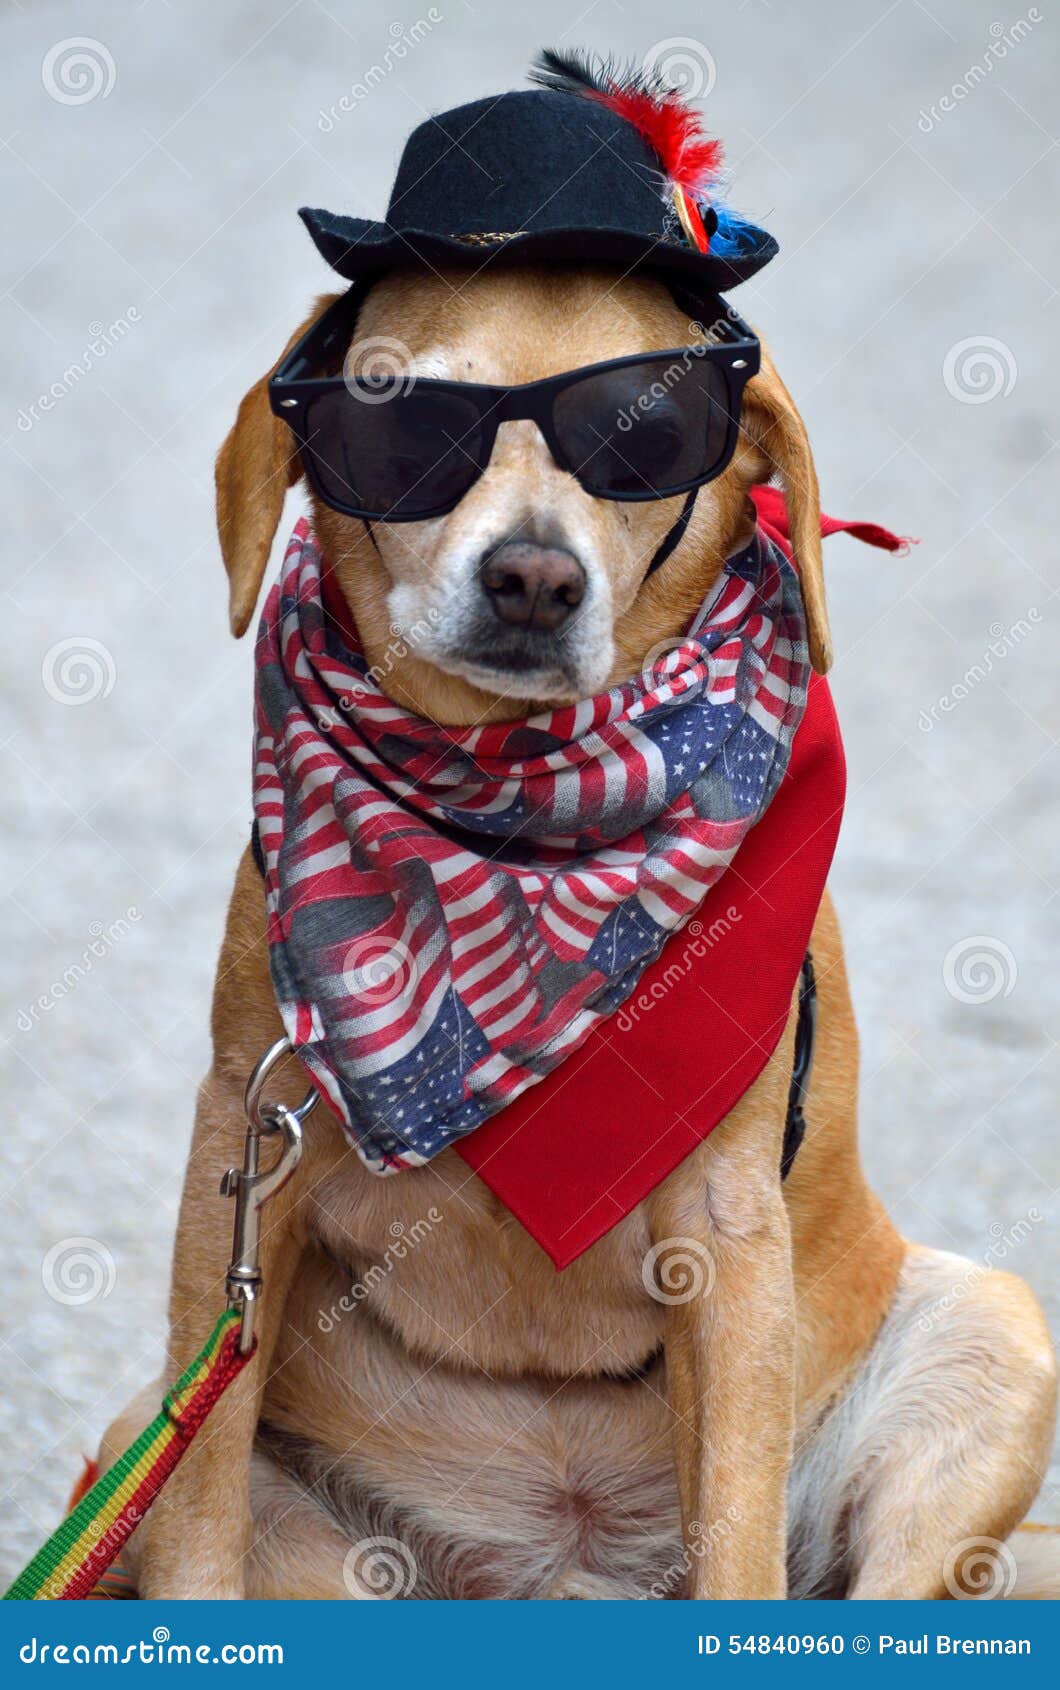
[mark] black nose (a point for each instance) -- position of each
(533, 587)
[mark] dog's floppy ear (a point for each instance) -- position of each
(773, 423)
(255, 466)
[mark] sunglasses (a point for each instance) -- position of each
(396, 447)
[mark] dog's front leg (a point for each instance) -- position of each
(194, 1541)
(722, 1263)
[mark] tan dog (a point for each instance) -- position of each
(833, 1418)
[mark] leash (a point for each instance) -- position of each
(68, 1566)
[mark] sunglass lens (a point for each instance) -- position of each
(642, 429)
(399, 454)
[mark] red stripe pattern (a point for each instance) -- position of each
(451, 911)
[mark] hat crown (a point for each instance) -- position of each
(526, 160)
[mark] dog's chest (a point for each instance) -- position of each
(443, 1263)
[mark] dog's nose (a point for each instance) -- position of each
(531, 586)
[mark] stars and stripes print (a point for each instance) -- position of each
(451, 910)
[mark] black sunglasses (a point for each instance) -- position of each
(401, 448)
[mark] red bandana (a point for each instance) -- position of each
(576, 1154)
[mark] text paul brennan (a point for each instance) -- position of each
(941, 1644)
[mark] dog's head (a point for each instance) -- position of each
(531, 590)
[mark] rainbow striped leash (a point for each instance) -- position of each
(69, 1566)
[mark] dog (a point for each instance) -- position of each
(846, 1414)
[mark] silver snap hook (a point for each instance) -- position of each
(252, 1186)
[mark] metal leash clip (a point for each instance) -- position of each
(252, 1186)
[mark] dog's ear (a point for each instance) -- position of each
(255, 466)
(772, 422)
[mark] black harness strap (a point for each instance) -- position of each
(802, 1066)
(674, 537)
(255, 846)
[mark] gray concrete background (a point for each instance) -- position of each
(913, 311)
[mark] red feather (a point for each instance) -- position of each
(690, 158)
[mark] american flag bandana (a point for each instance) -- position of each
(452, 910)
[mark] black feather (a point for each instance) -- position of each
(567, 71)
(574, 71)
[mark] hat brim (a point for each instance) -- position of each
(356, 248)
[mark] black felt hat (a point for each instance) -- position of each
(592, 166)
